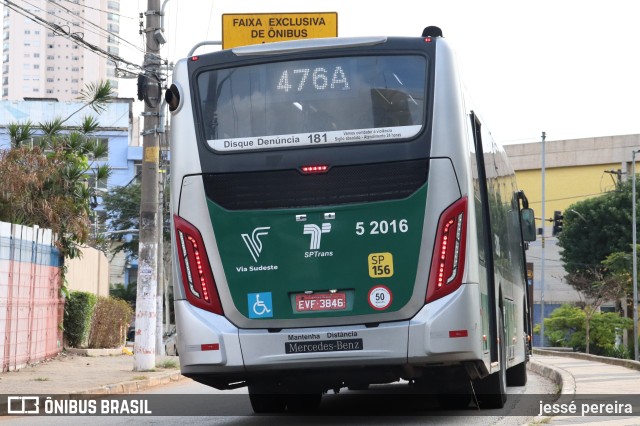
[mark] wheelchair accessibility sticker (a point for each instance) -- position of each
(260, 305)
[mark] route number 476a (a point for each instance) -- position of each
(382, 227)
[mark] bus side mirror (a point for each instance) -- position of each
(172, 97)
(528, 221)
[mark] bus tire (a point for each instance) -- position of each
(266, 400)
(492, 390)
(517, 375)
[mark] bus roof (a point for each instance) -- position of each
(307, 44)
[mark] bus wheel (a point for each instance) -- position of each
(492, 390)
(517, 375)
(303, 402)
(265, 399)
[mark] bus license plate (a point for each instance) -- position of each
(321, 302)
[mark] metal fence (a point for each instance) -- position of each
(31, 309)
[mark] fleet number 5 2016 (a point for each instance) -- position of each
(381, 227)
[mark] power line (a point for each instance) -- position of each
(570, 198)
(81, 19)
(100, 10)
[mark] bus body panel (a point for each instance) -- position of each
(208, 329)
(449, 331)
(288, 255)
(325, 347)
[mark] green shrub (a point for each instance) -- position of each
(619, 352)
(111, 318)
(77, 317)
(566, 326)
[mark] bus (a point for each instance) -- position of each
(342, 218)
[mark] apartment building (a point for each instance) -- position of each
(38, 62)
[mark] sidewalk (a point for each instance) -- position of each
(70, 373)
(581, 380)
(588, 380)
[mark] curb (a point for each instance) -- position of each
(133, 386)
(560, 377)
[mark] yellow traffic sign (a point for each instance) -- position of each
(257, 28)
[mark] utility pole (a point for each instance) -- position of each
(544, 219)
(149, 90)
(161, 290)
(635, 258)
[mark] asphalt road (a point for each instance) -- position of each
(389, 405)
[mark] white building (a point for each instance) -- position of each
(37, 62)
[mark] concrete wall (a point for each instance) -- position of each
(89, 273)
(31, 307)
(573, 152)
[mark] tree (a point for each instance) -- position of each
(122, 205)
(43, 176)
(595, 243)
(620, 265)
(595, 228)
(595, 286)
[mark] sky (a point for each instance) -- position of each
(569, 68)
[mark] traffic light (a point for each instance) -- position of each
(557, 222)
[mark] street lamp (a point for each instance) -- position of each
(635, 259)
(544, 136)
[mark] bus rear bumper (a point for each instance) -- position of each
(442, 332)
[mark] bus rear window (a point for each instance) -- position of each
(313, 102)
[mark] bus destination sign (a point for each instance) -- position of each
(258, 28)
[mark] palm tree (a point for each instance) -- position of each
(45, 183)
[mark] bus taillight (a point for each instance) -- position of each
(197, 276)
(449, 252)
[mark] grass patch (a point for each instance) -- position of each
(543, 421)
(140, 378)
(41, 379)
(167, 363)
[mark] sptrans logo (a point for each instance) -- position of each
(316, 232)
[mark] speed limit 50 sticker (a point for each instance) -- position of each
(380, 297)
